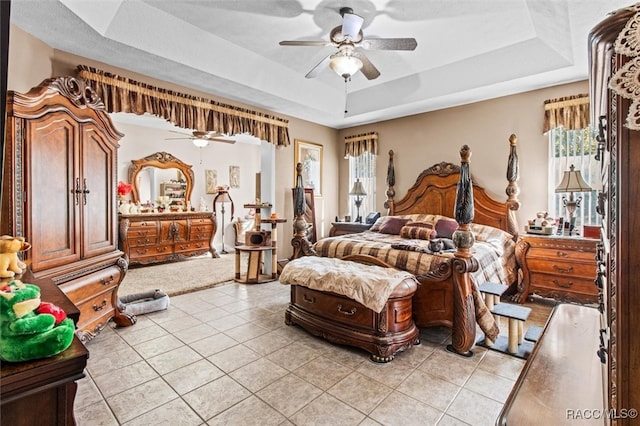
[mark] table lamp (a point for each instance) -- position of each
(358, 191)
(222, 198)
(571, 182)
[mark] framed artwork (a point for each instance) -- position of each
(211, 181)
(310, 155)
(234, 176)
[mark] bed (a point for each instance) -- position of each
(483, 244)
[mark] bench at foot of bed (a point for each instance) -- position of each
(342, 320)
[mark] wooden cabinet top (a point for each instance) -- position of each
(166, 216)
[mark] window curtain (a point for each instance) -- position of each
(121, 94)
(571, 112)
(358, 144)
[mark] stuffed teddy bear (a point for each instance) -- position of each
(31, 329)
(10, 265)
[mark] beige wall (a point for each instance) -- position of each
(422, 140)
(419, 141)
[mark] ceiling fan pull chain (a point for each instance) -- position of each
(345, 97)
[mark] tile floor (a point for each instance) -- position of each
(223, 356)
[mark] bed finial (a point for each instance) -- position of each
(463, 210)
(513, 175)
(391, 181)
(465, 154)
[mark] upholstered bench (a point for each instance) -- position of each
(363, 305)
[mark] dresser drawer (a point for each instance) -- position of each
(563, 268)
(96, 312)
(142, 233)
(565, 283)
(201, 221)
(144, 224)
(82, 289)
(160, 249)
(561, 253)
(335, 308)
(192, 246)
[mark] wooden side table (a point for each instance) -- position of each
(560, 267)
(343, 228)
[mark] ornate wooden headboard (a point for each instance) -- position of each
(435, 191)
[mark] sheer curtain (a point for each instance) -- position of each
(361, 151)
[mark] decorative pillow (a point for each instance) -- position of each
(445, 228)
(393, 225)
(378, 223)
(418, 230)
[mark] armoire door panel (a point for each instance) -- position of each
(51, 192)
(97, 183)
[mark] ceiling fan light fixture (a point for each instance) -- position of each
(345, 65)
(200, 143)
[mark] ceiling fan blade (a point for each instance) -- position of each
(311, 43)
(368, 69)
(322, 65)
(225, 140)
(351, 25)
(389, 44)
(186, 138)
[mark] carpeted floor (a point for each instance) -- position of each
(180, 277)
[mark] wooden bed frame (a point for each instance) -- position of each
(445, 296)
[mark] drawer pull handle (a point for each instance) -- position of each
(106, 281)
(562, 254)
(99, 308)
(563, 285)
(308, 299)
(564, 271)
(351, 312)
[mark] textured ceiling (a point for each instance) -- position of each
(468, 50)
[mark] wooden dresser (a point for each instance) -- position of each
(619, 205)
(563, 268)
(161, 237)
(59, 192)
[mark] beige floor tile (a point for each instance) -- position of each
(174, 413)
(429, 389)
(293, 356)
(227, 322)
(322, 372)
(490, 385)
(449, 366)
(87, 393)
(198, 332)
(346, 355)
(390, 374)
(135, 336)
(94, 414)
(447, 420)
(258, 374)
(117, 381)
(141, 399)
(212, 314)
(246, 332)
(112, 361)
(250, 412)
(475, 409)
(327, 410)
(182, 323)
(157, 346)
(289, 394)
(401, 410)
(360, 392)
(213, 344)
(239, 306)
(193, 376)
(215, 397)
(174, 359)
(269, 342)
(503, 365)
(233, 358)
(257, 315)
(171, 313)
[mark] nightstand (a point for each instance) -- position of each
(342, 228)
(560, 267)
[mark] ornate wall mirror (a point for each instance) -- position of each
(161, 174)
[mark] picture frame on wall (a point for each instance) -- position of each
(211, 181)
(234, 176)
(310, 155)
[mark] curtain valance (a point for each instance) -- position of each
(572, 112)
(121, 94)
(358, 144)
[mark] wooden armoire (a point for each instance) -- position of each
(59, 192)
(619, 204)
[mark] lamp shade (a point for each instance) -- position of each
(344, 64)
(223, 197)
(200, 143)
(358, 189)
(572, 181)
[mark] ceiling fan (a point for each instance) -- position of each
(202, 139)
(347, 38)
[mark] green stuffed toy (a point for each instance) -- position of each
(31, 329)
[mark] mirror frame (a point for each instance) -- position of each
(161, 160)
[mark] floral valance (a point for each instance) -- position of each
(121, 94)
(358, 144)
(571, 112)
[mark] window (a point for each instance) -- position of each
(577, 148)
(363, 167)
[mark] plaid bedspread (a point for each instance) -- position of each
(494, 250)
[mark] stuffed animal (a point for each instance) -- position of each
(10, 265)
(29, 328)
